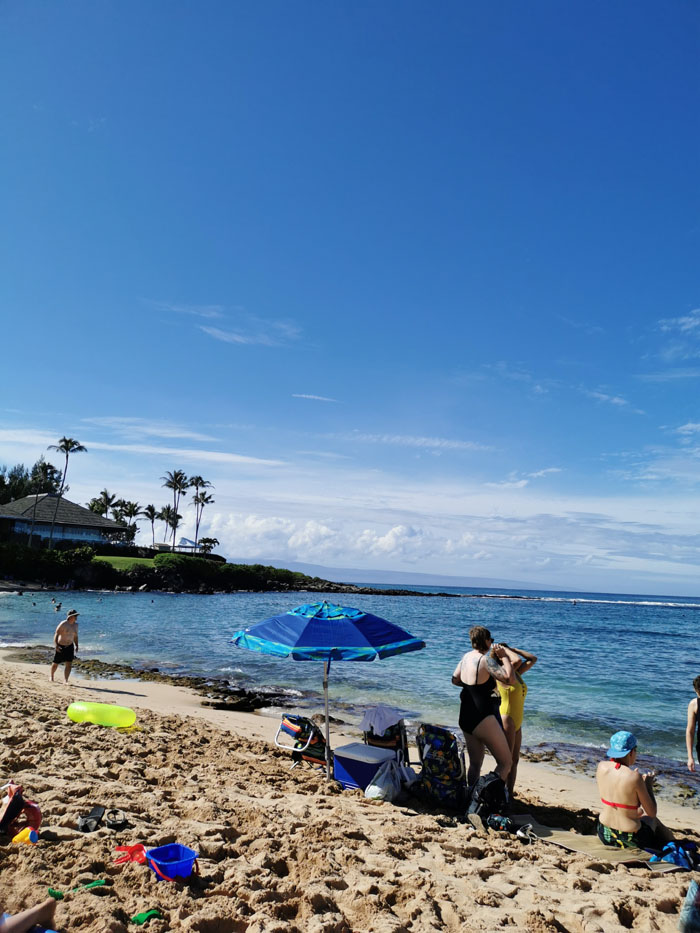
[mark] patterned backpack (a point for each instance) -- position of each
(443, 780)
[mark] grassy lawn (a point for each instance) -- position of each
(124, 563)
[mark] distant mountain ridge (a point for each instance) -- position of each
(392, 577)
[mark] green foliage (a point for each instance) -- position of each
(126, 563)
(80, 567)
(42, 565)
(18, 481)
(192, 572)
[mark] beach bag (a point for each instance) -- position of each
(442, 779)
(489, 796)
(386, 783)
(408, 776)
(684, 854)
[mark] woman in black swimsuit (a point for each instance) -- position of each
(477, 674)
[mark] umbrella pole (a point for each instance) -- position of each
(326, 668)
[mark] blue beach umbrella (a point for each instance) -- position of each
(325, 632)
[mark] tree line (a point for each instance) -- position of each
(18, 482)
(126, 512)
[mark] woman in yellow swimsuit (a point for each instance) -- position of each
(512, 706)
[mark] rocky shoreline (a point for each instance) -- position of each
(217, 693)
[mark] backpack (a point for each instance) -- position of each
(442, 780)
(489, 795)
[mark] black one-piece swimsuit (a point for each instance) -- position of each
(476, 703)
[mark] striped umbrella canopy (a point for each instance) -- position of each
(326, 632)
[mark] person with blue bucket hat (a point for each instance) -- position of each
(628, 819)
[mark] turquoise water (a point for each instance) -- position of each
(605, 662)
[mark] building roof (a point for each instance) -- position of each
(69, 513)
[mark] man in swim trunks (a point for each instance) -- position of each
(628, 818)
(65, 640)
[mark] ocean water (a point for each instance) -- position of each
(606, 662)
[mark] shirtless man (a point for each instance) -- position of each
(66, 641)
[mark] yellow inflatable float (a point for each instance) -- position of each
(102, 714)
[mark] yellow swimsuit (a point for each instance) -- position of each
(513, 700)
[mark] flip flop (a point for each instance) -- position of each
(145, 916)
(91, 821)
(526, 835)
(115, 819)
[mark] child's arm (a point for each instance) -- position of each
(41, 915)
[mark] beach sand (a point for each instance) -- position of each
(282, 850)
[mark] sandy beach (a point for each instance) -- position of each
(282, 850)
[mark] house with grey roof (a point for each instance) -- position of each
(74, 523)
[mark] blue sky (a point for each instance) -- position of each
(414, 285)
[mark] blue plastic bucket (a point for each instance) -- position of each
(172, 861)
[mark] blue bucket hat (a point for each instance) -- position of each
(621, 744)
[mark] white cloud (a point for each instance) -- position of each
(692, 427)
(515, 482)
(186, 453)
(315, 398)
(615, 400)
(203, 311)
(40, 440)
(140, 427)
(686, 324)
(671, 375)
(508, 484)
(251, 330)
(408, 440)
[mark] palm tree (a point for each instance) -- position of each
(106, 499)
(208, 544)
(178, 482)
(130, 511)
(165, 515)
(67, 446)
(200, 500)
(45, 479)
(175, 520)
(198, 482)
(118, 510)
(151, 513)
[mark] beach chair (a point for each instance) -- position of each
(394, 737)
(303, 738)
(443, 774)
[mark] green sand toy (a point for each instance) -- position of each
(145, 916)
(59, 895)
